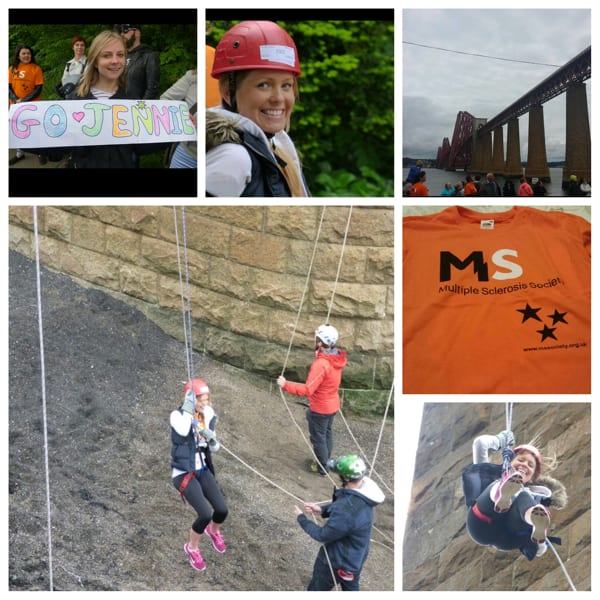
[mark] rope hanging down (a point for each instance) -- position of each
(505, 466)
(43, 377)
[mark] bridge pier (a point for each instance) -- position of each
(578, 157)
(513, 167)
(537, 162)
(485, 142)
(497, 165)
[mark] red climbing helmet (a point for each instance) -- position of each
(536, 454)
(256, 45)
(199, 386)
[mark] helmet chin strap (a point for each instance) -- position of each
(232, 102)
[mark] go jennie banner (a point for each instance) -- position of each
(98, 122)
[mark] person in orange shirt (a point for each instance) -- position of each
(470, 187)
(419, 188)
(25, 83)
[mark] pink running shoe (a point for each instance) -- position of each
(217, 539)
(510, 484)
(195, 557)
(539, 518)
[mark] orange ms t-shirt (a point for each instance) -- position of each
(24, 79)
(496, 302)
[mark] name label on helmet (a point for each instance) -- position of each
(280, 54)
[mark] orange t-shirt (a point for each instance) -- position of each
(24, 80)
(496, 302)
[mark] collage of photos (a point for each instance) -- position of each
(202, 358)
(201, 383)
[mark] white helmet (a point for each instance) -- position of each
(328, 334)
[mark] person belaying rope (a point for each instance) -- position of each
(322, 389)
(509, 506)
(194, 440)
(346, 535)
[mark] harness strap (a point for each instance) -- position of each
(184, 484)
(480, 515)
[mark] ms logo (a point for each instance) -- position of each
(507, 269)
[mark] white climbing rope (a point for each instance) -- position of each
(187, 342)
(340, 261)
(385, 413)
(562, 566)
(310, 266)
(43, 378)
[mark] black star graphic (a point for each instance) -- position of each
(529, 313)
(558, 317)
(547, 332)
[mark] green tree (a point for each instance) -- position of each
(343, 124)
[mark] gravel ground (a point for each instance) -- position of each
(112, 378)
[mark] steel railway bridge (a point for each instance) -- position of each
(472, 146)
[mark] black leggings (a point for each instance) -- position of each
(205, 497)
(506, 531)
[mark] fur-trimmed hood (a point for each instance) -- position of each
(221, 128)
(559, 492)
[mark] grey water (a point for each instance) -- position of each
(437, 178)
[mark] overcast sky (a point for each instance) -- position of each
(437, 84)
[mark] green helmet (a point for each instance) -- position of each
(350, 466)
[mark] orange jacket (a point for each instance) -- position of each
(322, 383)
(496, 303)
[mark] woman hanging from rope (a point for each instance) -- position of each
(508, 504)
(194, 440)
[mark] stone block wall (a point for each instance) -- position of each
(438, 553)
(248, 270)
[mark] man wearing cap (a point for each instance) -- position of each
(143, 65)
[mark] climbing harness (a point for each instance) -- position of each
(43, 378)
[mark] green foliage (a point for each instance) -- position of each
(343, 124)
(345, 184)
(176, 46)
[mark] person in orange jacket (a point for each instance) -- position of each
(321, 388)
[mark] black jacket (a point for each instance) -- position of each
(118, 156)
(143, 73)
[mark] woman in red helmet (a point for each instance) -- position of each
(194, 440)
(508, 509)
(248, 150)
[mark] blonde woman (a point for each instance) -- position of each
(509, 509)
(248, 150)
(104, 78)
(193, 441)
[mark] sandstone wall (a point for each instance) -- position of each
(438, 554)
(248, 268)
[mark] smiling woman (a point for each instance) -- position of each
(249, 152)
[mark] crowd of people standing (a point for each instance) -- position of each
(475, 185)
